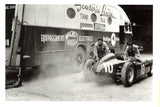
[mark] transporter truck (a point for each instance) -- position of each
(41, 36)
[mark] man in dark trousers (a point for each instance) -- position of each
(100, 49)
(131, 51)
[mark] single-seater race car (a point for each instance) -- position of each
(120, 70)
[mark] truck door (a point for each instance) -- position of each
(11, 40)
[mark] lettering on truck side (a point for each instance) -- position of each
(51, 38)
(86, 38)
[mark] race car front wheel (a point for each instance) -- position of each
(88, 69)
(79, 58)
(128, 74)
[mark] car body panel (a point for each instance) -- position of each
(114, 66)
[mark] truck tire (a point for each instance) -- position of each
(79, 58)
(88, 70)
(128, 74)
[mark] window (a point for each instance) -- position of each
(71, 13)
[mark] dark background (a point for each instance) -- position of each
(142, 15)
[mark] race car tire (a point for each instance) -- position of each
(79, 58)
(88, 70)
(150, 72)
(128, 74)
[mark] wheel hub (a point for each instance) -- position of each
(131, 75)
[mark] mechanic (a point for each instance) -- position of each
(100, 49)
(131, 51)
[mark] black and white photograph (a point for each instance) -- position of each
(78, 52)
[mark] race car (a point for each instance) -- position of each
(120, 70)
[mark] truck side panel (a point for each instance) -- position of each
(39, 42)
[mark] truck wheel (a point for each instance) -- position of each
(79, 58)
(150, 73)
(88, 70)
(128, 74)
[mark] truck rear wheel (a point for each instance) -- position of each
(128, 74)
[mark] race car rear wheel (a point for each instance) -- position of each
(150, 73)
(88, 69)
(128, 74)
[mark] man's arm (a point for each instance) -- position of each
(106, 46)
(95, 50)
(137, 51)
(126, 53)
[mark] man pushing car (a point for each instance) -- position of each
(131, 51)
(100, 49)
